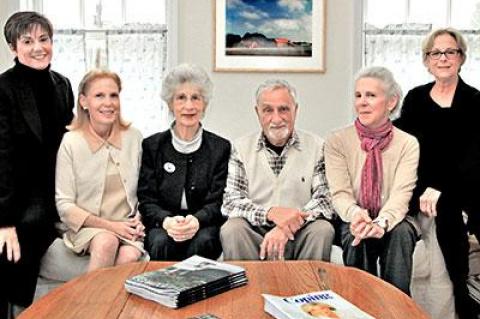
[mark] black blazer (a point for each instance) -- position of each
(165, 173)
(27, 162)
(444, 135)
(27, 169)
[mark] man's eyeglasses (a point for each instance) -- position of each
(450, 54)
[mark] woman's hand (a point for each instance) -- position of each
(429, 200)
(9, 240)
(139, 228)
(181, 228)
(127, 230)
(362, 227)
(273, 244)
(131, 229)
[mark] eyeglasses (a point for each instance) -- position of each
(450, 54)
(183, 98)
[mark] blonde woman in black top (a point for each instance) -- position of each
(438, 115)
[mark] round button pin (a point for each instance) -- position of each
(169, 167)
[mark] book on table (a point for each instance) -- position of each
(193, 279)
(473, 284)
(324, 304)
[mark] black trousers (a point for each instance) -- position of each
(394, 252)
(18, 280)
(453, 241)
(205, 243)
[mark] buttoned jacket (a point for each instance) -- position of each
(166, 173)
(81, 173)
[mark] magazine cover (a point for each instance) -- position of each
(315, 305)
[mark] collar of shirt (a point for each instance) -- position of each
(95, 142)
(293, 141)
(186, 147)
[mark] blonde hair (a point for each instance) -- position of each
(82, 116)
(427, 44)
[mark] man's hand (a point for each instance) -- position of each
(273, 245)
(9, 240)
(289, 220)
(428, 201)
(181, 228)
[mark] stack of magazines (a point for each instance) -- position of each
(186, 282)
(474, 287)
(320, 304)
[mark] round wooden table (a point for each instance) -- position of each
(101, 294)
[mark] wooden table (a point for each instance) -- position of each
(100, 294)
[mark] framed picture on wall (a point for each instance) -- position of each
(270, 35)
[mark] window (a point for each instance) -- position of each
(130, 37)
(393, 32)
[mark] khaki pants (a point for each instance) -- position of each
(241, 241)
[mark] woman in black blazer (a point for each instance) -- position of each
(183, 174)
(35, 106)
(440, 115)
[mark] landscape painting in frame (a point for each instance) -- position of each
(270, 35)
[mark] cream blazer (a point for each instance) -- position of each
(81, 172)
(344, 161)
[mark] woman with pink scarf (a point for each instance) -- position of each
(371, 169)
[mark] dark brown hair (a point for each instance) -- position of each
(23, 22)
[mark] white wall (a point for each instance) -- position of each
(7, 7)
(325, 101)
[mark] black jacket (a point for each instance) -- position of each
(27, 161)
(202, 174)
(445, 136)
(32, 123)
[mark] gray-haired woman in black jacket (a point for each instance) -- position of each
(183, 174)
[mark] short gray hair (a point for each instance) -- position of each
(274, 84)
(186, 73)
(385, 76)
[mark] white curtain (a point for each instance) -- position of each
(401, 51)
(138, 56)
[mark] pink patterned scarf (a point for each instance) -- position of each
(373, 142)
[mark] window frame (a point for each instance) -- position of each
(171, 23)
(361, 34)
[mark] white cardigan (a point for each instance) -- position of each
(81, 172)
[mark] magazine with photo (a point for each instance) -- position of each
(186, 282)
(324, 304)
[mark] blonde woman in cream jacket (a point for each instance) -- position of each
(96, 177)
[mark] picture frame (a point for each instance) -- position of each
(269, 36)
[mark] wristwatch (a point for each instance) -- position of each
(382, 222)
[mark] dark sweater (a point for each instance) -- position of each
(444, 134)
(35, 106)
